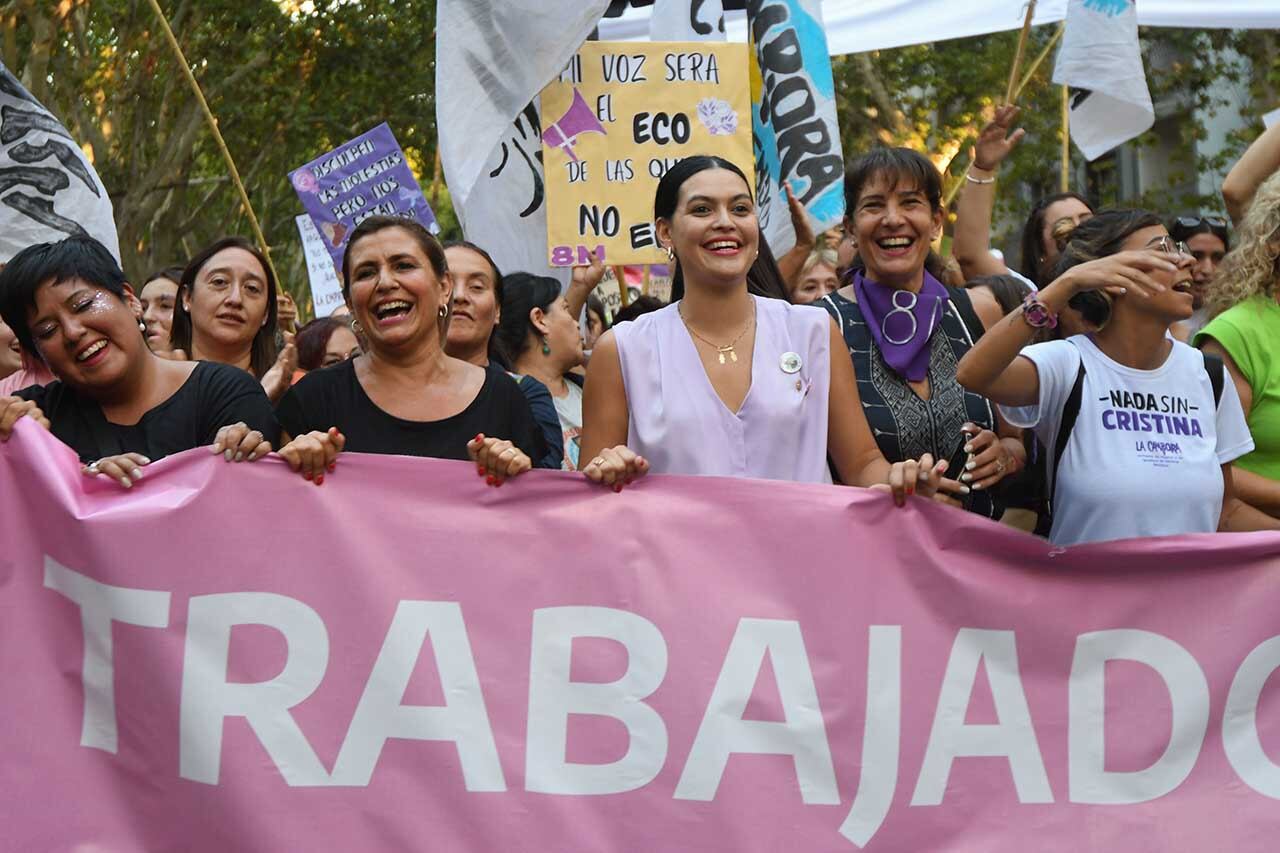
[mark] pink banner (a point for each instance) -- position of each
(230, 658)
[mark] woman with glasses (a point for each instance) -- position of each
(1142, 428)
(1208, 241)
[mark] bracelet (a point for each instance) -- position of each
(971, 179)
(1037, 314)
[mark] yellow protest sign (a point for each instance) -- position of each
(619, 116)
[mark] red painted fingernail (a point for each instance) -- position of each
(479, 437)
(307, 475)
(480, 470)
(617, 488)
(497, 484)
(491, 480)
(319, 479)
(332, 465)
(628, 481)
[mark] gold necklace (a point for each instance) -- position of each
(727, 349)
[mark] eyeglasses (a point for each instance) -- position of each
(1196, 221)
(1170, 246)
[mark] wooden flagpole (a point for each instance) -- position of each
(620, 273)
(1016, 85)
(1017, 57)
(1066, 139)
(217, 135)
(1039, 60)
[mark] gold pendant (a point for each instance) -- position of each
(723, 351)
(721, 356)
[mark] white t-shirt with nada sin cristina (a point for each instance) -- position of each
(1145, 455)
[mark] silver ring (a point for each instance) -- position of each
(92, 467)
(598, 461)
(1000, 466)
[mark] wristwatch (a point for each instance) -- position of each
(1037, 314)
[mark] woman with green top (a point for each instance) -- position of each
(1245, 333)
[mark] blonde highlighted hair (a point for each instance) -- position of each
(820, 255)
(1252, 268)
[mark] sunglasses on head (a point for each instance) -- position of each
(1196, 221)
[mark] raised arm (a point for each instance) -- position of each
(1259, 162)
(583, 282)
(994, 370)
(972, 243)
(792, 262)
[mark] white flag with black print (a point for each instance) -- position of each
(1101, 61)
(48, 189)
(493, 57)
(687, 20)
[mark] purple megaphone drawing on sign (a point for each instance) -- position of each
(578, 119)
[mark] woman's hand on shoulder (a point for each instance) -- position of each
(125, 469)
(314, 453)
(497, 460)
(616, 467)
(13, 408)
(238, 443)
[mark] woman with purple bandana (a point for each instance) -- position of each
(726, 382)
(906, 332)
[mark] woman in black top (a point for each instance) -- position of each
(115, 401)
(906, 332)
(405, 395)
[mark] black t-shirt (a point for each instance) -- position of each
(214, 396)
(333, 397)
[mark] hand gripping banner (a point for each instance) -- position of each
(227, 657)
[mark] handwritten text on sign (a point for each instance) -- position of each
(367, 176)
(616, 120)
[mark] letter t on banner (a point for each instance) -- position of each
(793, 115)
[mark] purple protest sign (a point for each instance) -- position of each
(365, 177)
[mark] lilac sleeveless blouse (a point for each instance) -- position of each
(680, 425)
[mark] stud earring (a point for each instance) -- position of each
(142, 327)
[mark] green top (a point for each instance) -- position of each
(1250, 333)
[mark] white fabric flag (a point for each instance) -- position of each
(857, 26)
(793, 117)
(493, 57)
(326, 289)
(48, 188)
(687, 20)
(1101, 61)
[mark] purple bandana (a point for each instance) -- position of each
(901, 322)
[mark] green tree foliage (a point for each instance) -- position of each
(936, 97)
(287, 80)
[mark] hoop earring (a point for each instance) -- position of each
(356, 327)
(671, 254)
(444, 309)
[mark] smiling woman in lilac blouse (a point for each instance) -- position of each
(723, 382)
